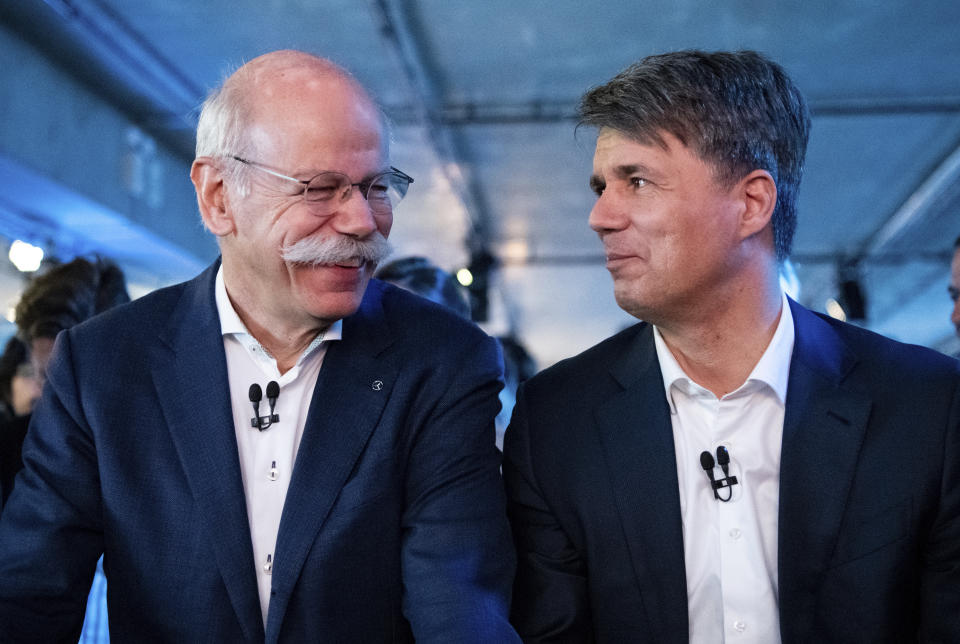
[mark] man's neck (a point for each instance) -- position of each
(287, 346)
(285, 337)
(720, 351)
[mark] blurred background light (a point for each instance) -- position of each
(835, 311)
(26, 257)
(465, 277)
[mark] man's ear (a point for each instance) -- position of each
(759, 193)
(211, 196)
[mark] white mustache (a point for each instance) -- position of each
(337, 249)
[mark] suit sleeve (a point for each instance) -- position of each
(940, 582)
(51, 531)
(550, 602)
(457, 561)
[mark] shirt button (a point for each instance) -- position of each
(739, 626)
(274, 474)
(735, 534)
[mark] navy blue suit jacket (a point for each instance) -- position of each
(869, 519)
(393, 526)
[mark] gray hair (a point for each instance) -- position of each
(224, 117)
(739, 111)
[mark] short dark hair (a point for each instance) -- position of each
(738, 111)
(419, 275)
(67, 295)
(956, 243)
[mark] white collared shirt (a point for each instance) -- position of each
(267, 457)
(730, 549)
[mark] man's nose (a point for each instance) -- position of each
(605, 215)
(354, 216)
(955, 316)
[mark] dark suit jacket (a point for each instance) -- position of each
(393, 525)
(869, 524)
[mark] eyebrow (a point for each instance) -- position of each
(597, 183)
(624, 171)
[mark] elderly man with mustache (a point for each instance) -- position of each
(280, 449)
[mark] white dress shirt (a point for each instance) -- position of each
(730, 549)
(267, 457)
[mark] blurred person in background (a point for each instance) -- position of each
(18, 387)
(62, 297)
(419, 275)
(518, 366)
(18, 391)
(54, 300)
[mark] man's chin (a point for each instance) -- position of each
(331, 292)
(329, 309)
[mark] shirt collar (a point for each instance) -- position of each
(231, 324)
(773, 368)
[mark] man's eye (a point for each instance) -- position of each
(637, 182)
(380, 187)
(322, 191)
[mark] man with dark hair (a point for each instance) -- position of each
(281, 449)
(954, 288)
(63, 297)
(735, 467)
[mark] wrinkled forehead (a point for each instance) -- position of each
(311, 98)
(319, 136)
(616, 147)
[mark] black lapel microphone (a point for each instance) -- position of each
(723, 456)
(723, 459)
(256, 395)
(273, 392)
(706, 462)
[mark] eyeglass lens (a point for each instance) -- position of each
(382, 192)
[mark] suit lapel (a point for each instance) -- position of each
(823, 429)
(351, 392)
(637, 439)
(190, 375)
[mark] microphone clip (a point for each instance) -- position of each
(723, 460)
(256, 395)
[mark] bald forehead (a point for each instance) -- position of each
(281, 73)
(286, 91)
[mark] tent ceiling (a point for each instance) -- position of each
(483, 98)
